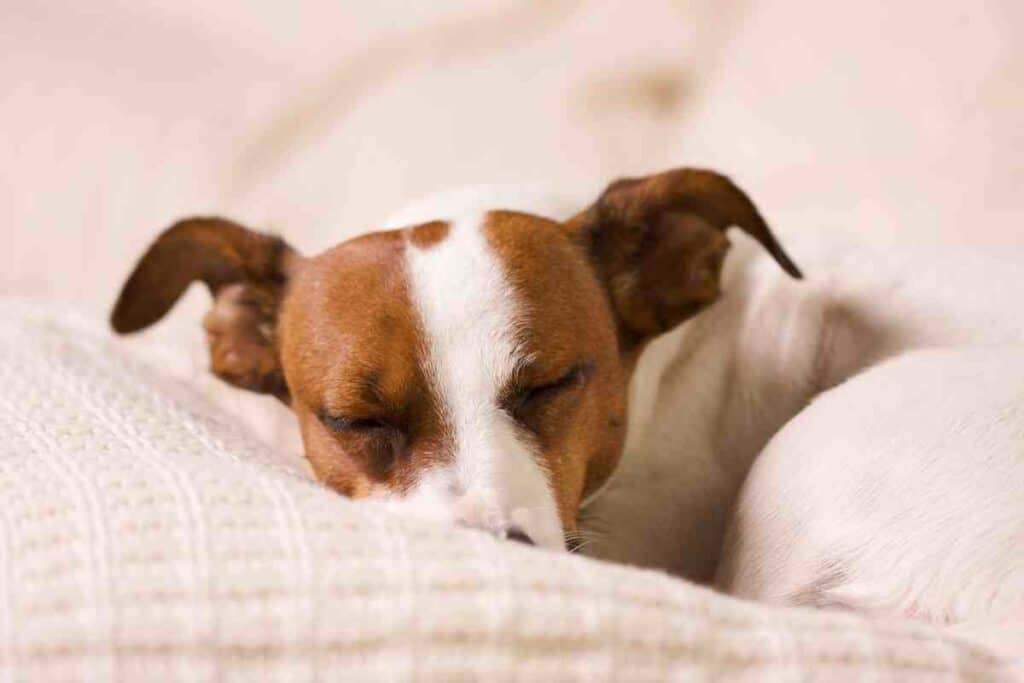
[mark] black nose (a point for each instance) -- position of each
(519, 536)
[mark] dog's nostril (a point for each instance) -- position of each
(519, 536)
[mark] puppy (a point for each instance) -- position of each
(474, 363)
(494, 357)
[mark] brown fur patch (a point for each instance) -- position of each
(658, 243)
(350, 342)
(245, 271)
(428, 234)
(567, 324)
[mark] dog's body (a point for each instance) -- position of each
(703, 397)
(897, 493)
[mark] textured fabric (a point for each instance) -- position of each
(146, 536)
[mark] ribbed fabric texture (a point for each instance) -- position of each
(145, 536)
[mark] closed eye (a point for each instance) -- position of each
(347, 424)
(533, 397)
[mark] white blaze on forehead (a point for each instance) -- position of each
(469, 317)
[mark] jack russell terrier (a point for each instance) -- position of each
(494, 357)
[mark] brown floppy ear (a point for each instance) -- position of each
(245, 271)
(658, 244)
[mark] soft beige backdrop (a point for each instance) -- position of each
(893, 119)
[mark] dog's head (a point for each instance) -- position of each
(478, 367)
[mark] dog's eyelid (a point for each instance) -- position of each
(573, 376)
(545, 378)
(340, 423)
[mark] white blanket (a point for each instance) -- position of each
(144, 535)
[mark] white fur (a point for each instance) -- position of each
(469, 316)
(703, 399)
(733, 376)
(898, 492)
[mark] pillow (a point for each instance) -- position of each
(146, 535)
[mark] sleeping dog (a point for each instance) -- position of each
(549, 372)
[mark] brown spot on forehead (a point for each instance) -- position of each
(428, 234)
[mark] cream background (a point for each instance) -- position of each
(896, 121)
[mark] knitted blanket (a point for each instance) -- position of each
(147, 536)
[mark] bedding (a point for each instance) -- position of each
(147, 535)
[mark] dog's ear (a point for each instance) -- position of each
(658, 244)
(245, 271)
